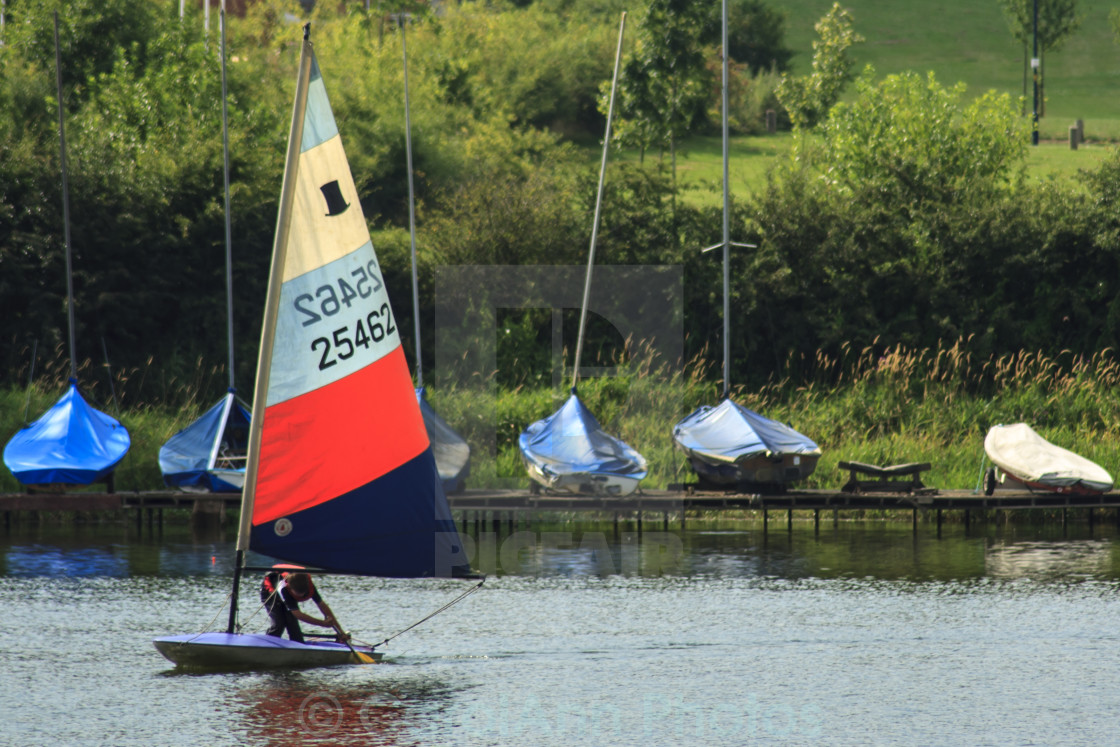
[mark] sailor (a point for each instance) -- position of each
(281, 593)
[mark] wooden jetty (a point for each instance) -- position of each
(511, 505)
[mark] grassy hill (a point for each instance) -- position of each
(969, 40)
(959, 40)
(700, 163)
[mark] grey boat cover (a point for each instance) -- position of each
(452, 452)
(728, 432)
(571, 441)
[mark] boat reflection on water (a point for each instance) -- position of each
(285, 710)
(1042, 560)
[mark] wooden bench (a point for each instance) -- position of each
(897, 478)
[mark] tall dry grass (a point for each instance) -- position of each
(876, 404)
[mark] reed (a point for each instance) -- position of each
(875, 403)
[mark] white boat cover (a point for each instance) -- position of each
(1031, 459)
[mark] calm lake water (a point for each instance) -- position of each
(860, 634)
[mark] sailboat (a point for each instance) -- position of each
(209, 454)
(1026, 460)
(452, 452)
(71, 443)
(340, 475)
(729, 444)
(569, 451)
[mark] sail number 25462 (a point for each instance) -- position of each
(342, 343)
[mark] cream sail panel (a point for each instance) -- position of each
(332, 321)
(327, 220)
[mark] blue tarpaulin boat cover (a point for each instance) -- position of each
(452, 452)
(209, 454)
(72, 443)
(571, 442)
(730, 432)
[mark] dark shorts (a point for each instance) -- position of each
(280, 617)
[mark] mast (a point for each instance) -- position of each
(726, 227)
(411, 209)
(225, 179)
(272, 304)
(65, 205)
(598, 205)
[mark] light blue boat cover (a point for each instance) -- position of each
(729, 432)
(185, 459)
(71, 443)
(570, 441)
(452, 452)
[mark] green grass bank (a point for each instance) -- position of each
(881, 406)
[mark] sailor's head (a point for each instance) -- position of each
(300, 584)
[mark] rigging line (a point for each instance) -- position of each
(444, 608)
(208, 625)
(30, 380)
(240, 626)
(261, 606)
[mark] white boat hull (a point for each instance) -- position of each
(584, 483)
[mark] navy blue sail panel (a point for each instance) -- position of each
(452, 452)
(221, 434)
(729, 432)
(571, 441)
(71, 443)
(373, 530)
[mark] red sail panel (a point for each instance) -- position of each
(320, 445)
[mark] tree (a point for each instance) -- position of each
(92, 33)
(755, 35)
(808, 98)
(664, 84)
(887, 222)
(1057, 20)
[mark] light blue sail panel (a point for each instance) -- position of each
(71, 443)
(728, 434)
(199, 456)
(452, 452)
(570, 444)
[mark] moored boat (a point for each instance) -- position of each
(452, 452)
(209, 454)
(729, 444)
(71, 443)
(569, 451)
(1025, 459)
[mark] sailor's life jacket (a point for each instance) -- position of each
(275, 582)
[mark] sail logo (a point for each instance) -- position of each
(336, 203)
(282, 527)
